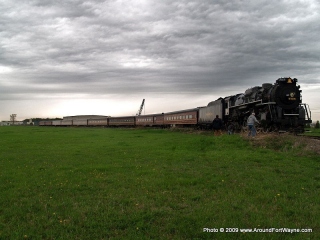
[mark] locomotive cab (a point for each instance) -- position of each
(227, 104)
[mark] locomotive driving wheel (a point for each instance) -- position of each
(244, 127)
(274, 128)
(267, 129)
(259, 129)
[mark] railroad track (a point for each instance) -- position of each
(309, 136)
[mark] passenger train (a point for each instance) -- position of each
(277, 106)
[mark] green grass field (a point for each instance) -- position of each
(97, 183)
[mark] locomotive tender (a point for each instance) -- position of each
(278, 106)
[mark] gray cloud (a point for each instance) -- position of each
(59, 48)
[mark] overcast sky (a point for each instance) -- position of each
(77, 57)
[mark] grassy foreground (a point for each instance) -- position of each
(94, 183)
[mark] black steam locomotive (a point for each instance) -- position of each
(278, 106)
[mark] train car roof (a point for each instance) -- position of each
(78, 117)
(122, 117)
(186, 110)
(150, 115)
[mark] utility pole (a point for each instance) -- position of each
(13, 118)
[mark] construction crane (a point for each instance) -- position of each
(140, 109)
